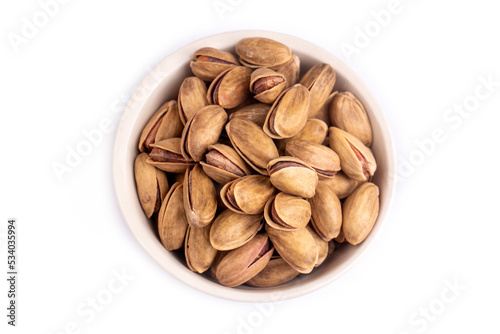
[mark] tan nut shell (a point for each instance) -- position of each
(218, 174)
(250, 193)
(262, 52)
(360, 213)
(322, 245)
(232, 87)
(324, 112)
(200, 198)
(252, 144)
(340, 142)
(288, 114)
(347, 113)
(294, 180)
(290, 69)
(321, 158)
(202, 130)
(231, 230)
(275, 273)
(172, 222)
(209, 70)
(192, 97)
(148, 180)
(198, 250)
(320, 80)
(297, 248)
(341, 185)
(267, 96)
(243, 263)
(314, 131)
(326, 212)
(172, 145)
(295, 212)
(255, 113)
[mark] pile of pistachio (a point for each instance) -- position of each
(269, 171)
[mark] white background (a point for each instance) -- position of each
(79, 68)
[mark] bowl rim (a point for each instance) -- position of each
(198, 281)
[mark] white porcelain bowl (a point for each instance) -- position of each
(162, 84)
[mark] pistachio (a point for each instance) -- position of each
(152, 185)
(341, 185)
(215, 263)
(200, 198)
(314, 131)
(324, 112)
(245, 262)
(293, 176)
(230, 88)
(267, 84)
(208, 63)
(326, 212)
(287, 212)
(255, 113)
(172, 222)
(192, 97)
(223, 164)
(340, 238)
(276, 272)
(290, 69)
(198, 251)
(247, 195)
(262, 52)
(322, 159)
(201, 131)
(357, 160)
(322, 245)
(360, 213)
(347, 113)
(231, 230)
(252, 144)
(166, 155)
(319, 80)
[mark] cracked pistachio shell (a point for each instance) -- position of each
(275, 273)
(166, 155)
(172, 222)
(290, 69)
(255, 113)
(360, 213)
(252, 144)
(215, 263)
(320, 80)
(348, 114)
(247, 195)
(287, 212)
(200, 197)
(266, 84)
(165, 123)
(230, 88)
(202, 130)
(288, 114)
(152, 185)
(293, 176)
(326, 212)
(223, 164)
(245, 262)
(297, 248)
(198, 250)
(321, 158)
(357, 160)
(231, 230)
(341, 185)
(322, 245)
(314, 131)
(192, 97)
(208, 63)
(262, 52)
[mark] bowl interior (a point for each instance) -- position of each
(162, 84)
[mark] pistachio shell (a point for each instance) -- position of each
(152, 185)
(230, 88)
(320, 80)
(247, 195)
(347, 113)
(208, 63)
(200, 198)
(321, 158)
(288, 114)
(252, 144)
(166, 155)
(275, 273)
(324, 112)
(290, 69)
(322, 245)
(201, 131)
(340, 238)
(231, 230)
(360, 213)
(255, 113)
(341, 185)
(267, 84)
(245, 262)
(293, 176)
(326, 212)
(314, 131)
(223, 164)
(198, 251)
(172, 222)
(357, 160)
(297, 248)
(258, 51)
(215, 263)
(192, 97)
(287, 212)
